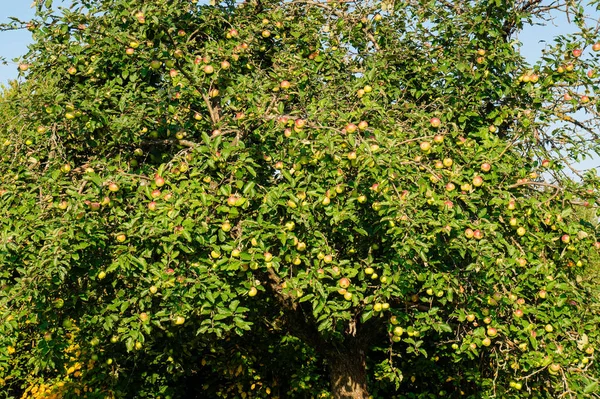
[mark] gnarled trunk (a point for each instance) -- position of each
(348, 372)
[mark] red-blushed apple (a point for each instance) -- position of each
(152, 205)
(486, 167)
(470, 317)
(351, 128)
(569, 67)
(113, 187)
(285, 85)
(545, 163)
(299, 123)
(208, 69)
(159, 181)
(438, 138)
(121, 237)
(362, 125)
(577, 52)
(450, 187)
(352, 155)
(481, 52)
(513, 222)
(72, 71)
(591, 73)
(155, 193)
(518, 313)
(425, 146)
(344, 282)
(435, 122)
(438, 164)
(584, 99)
(596, 47)
(23, 67)
(522, 262)
(129, 51)
(478, 234)
(511, 205)
(477, 181)
(173, 73)
(486, 341)
(469, 233)
(565, 238)
(492, 332)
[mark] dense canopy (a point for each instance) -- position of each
(300, 199)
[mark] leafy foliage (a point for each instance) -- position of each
(237, 200)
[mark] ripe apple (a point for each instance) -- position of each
(226, 226)
(577, 52)
(450, 187)
(63, 205)
(596, 47)
(252, 291)
(159, 181)
(208, 69)
(486, 167)
(351, 128)
(439, 164)
(140, 17)
(518, 313)
(512, 205)
(153, 289)
(327, 258)
(121, 237)
(72, 71)
(470, 317)
(481, 52)
(344, 282)
(285, 85)
(486, 341)
(478, 234)
(265, 33)
(542, 294)
(477, 181)
(447, 162)
(362, 125)
(565, 238)
(438, 138)
(155, 64)
(522, 262)
(352, 155)
(549, 328)
(584, 99)
(469, 233)
(326, 201)
(545, 163)
(521, 231)
(152, 205)
(554, 368)
(425, 146)
(101, 275)
(569, 67)
(492, 332)
(129, 51)
(348, 296)
(435, 122)
(113, 187)
(23, 67)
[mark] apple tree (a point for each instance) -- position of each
(300, 199)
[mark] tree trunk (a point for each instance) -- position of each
(348, 372)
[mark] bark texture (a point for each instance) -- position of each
(348, 371)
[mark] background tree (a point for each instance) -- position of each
(299, 199)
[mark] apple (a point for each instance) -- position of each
(591, 73)
(481, 52)
(301, 246)
(585, 99)
(153, 289)
(549, 328)
(252, 291)
(469, 233)
(521, 231)
(121, 237)
(425, 146)
(477, 181)
(569, 67)
(518, 313)
(63, 205)
(511, 205)
(450, 187)
(159, 181)
(596, 47)
(377, 307)
(155, 64)
(113, 187)
(326, 201)
(72, 71)
(23, 67)
(152, 205)
(435, 122)
(492, 332)
(348, 296)
(208, 69)
(351, 128)
(352, 155)
(155, 193)
(486, 341)
(565, 238)
(140, 17)
(478, 234)
(344, 282)
(554, 368)
(577, 52)
(66, 168)
(285, 85)
(265, 33)
(439, 164)
(101, 275)
(226, 226)
(487, 319)
(522, 262)
(327, 258)
(179, 320)
(542, 294)
(362, 125)
(368, 89)
(486, 167)
(129, 51)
